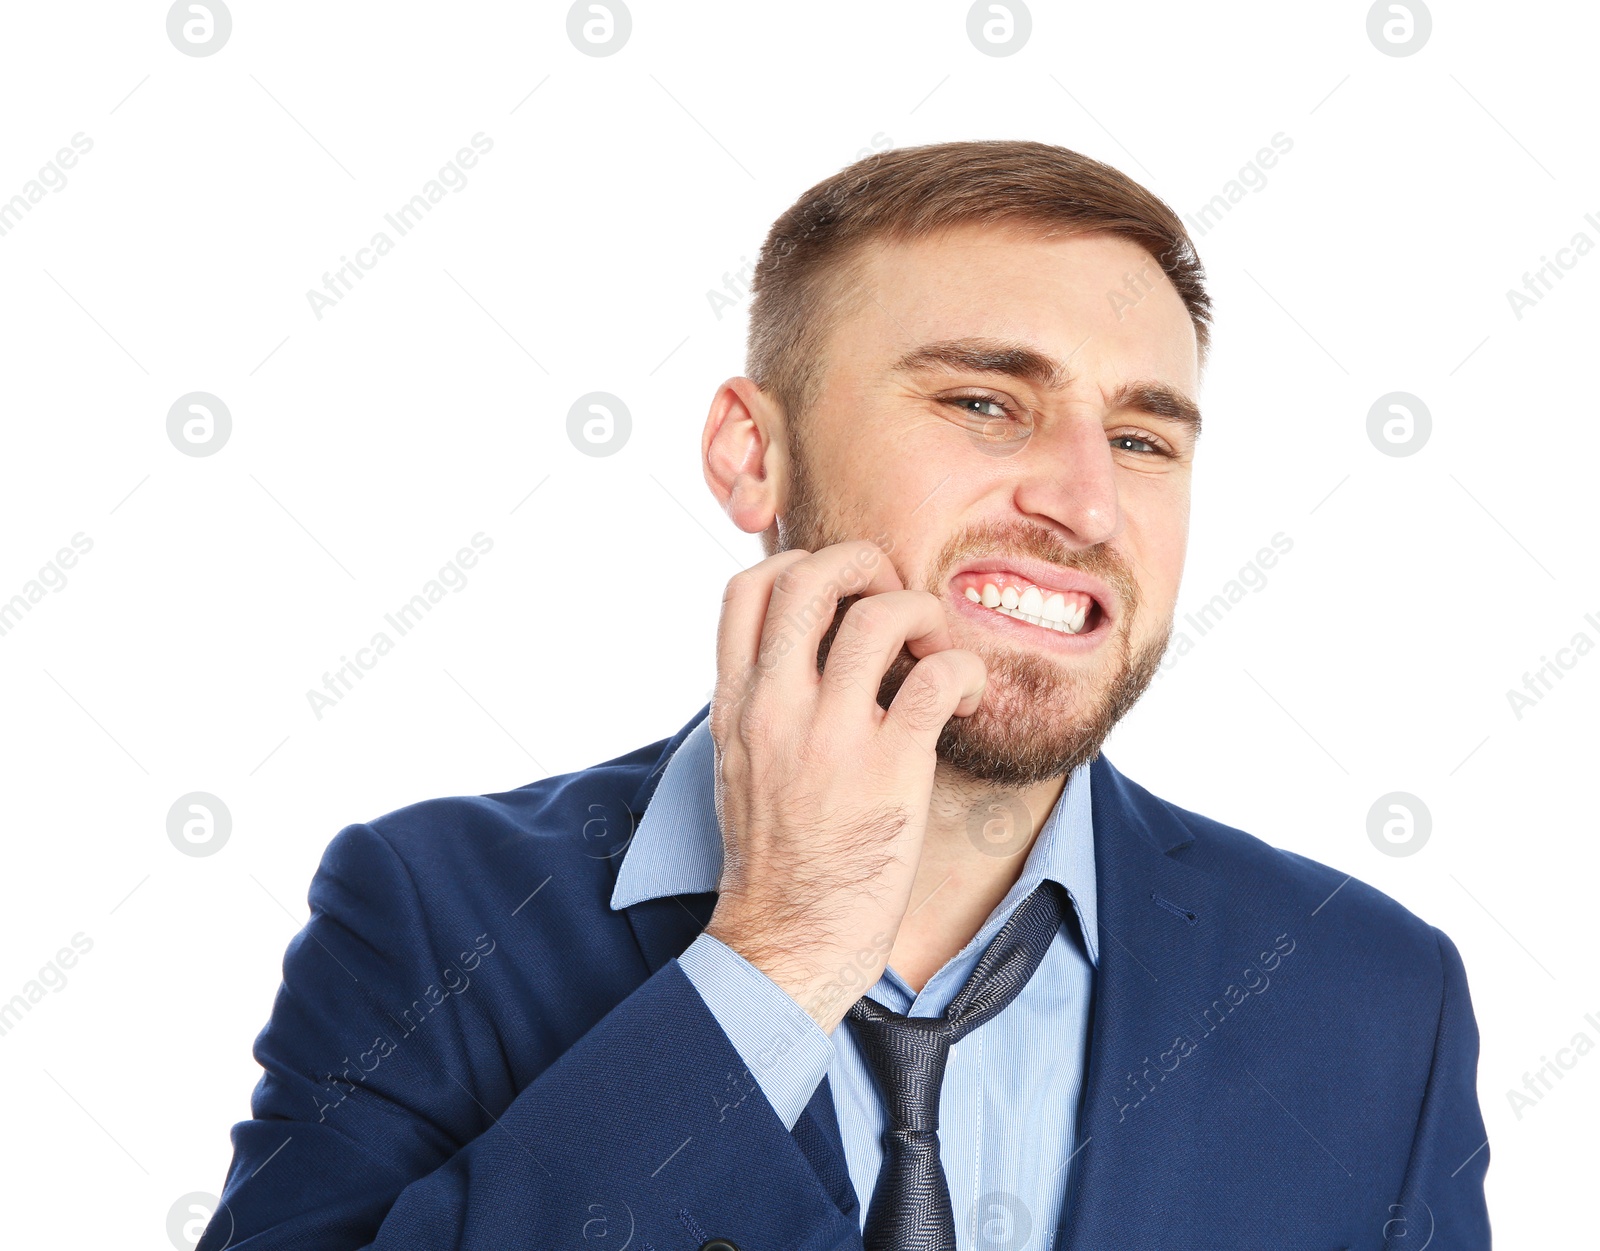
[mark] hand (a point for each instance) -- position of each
(822, 795)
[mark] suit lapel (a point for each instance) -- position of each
(1160, 922)
(666, 926)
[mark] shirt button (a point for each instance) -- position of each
(718, 1244)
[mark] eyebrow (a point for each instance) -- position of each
(987, 356)
(1155, 399)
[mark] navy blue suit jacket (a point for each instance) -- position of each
(469, 1049)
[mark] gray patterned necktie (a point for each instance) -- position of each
(910, 1208)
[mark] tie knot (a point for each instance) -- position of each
(907, 1056)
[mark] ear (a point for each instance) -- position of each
(744, 455)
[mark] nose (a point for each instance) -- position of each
(1068, 480)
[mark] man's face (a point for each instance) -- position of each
(1065, 496)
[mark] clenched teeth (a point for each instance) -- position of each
(1053, 612)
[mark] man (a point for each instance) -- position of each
(878, 950)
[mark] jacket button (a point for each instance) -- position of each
(718, 1244)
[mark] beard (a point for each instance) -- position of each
(1037, 719)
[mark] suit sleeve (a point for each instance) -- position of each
(650, 1127)
(1443, 1189)
(786, 1050)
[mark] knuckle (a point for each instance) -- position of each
(790, 581)
(870, 615)
(738, 586)
(727, 709)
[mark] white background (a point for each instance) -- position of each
(367, 446)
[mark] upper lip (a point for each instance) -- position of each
(1046, 577)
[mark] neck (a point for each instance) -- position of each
(979, 836)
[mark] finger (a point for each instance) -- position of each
(744, 608)
(946, 684)
(873, 631)
(804, 597)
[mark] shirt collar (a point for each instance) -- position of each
(677, 847)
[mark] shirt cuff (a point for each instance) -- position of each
(786, 1051)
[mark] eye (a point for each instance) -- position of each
(996, 425)
(978, 406)
(1141, 445)
(983, 411)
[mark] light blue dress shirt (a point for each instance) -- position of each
(1009, 1106)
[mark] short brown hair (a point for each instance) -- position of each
(806, 278)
